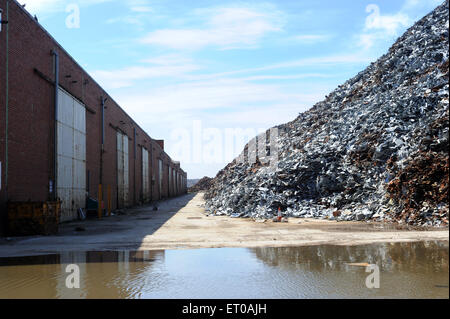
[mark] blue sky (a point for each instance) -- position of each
(181, 67)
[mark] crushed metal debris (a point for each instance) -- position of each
(375, 149)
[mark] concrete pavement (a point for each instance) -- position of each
(181, 223)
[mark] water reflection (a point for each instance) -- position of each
(408, 270)
(72, 257)
(103, 274)
(417, 256)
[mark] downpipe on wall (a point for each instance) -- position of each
(3, 215)
(55, 133)
(100, 185)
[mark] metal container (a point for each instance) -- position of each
(33, 218)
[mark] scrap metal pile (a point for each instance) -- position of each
(375, 149)
(203, 184)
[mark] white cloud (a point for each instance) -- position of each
(35, 6)
(168, 59)
(212, 96)
(367, 40)
(318, 62)
(286, 77)
(49, 6)
(219, 104)
(180, 67)
(127, 76)
(323, 61)
(139, 16)
(226, 28)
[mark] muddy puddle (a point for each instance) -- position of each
(362, 227)
(405, 270)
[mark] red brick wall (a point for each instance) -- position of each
(31, 119)
(2, 118)
(160, 143)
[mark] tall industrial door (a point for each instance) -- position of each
(170, 182)
(122, 170)
(71, 155)
(160, 177)
(174, 182)
(145, 177)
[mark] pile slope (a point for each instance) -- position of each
(202, 185)
(375, 148)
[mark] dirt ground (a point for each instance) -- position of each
(181, 223)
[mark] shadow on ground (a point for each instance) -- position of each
(126, 229)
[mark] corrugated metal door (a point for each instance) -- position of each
(71, 159)
(170, 181)
(174, 182)
(122, 170)
(160, 176)
(145, 180)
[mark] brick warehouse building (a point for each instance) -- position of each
(97, 142)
